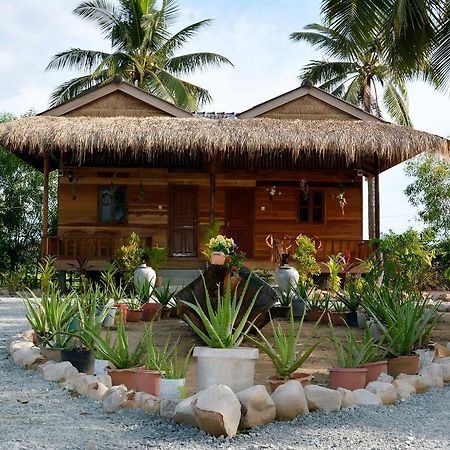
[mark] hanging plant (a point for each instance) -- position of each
(342, 200)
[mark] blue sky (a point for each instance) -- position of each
(253, 34)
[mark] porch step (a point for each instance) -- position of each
(179, 277)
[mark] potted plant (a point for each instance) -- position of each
(350, 297)
(166, 298)
(148, 377)
(316, 305)
(151, 308)
(134, 308)
(173, 375)
(119, 354)
(287, 353)
(218, 248)
(222, 362)
(285, 300)
(405, 319)
(157, 256)
(49, 318)
(305, 257)
(352, 355)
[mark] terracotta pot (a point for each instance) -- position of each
(303, 378)
(336, 318)
(134, 315)
(313, 315)
(123, 376)
(218, 258)
(374, 370)
(165, 312)
(350, 379)
(151, 311)
(409, 365)
(148, 381)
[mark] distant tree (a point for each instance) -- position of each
(430, 192)
(21, 190)
(144, 52)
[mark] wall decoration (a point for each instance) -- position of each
(272, 192)
(342, 200)
(304, 187)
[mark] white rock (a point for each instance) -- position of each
(290, 401)
(385, 378)
(97, 391)
(346, 398)
(104, 379)
(27, 357)
(167, 407)
(258, 407)
(116, 397)
(322, 399)
(53, 371)
(404, 389)
(184, 411)
(363, 397)
(426, 357)
(421, 383)
(386, 391)
(71, 382)
(147, 402)
(433, 373)
(217, 411)
(20, 344)
(445, 364)
(83, 383)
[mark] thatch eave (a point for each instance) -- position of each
(348, 142)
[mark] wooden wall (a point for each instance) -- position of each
(148, 202)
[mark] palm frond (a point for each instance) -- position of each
(189, 63)
(397, 105)
(77, 58)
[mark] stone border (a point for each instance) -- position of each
(219, 411)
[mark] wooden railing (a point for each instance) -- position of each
(350, 248)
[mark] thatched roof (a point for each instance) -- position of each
(143, 140)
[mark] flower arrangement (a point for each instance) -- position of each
(233, 257)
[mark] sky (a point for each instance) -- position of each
(253, 34)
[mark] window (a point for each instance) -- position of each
(311, 207)
(113, 204)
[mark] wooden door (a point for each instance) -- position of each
(183, 216)
(239, 218)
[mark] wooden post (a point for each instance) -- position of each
(377, 197)
(212, 189)
(45, 204)
(371, 206)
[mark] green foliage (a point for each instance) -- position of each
(287, 353)
(165, 295)
(209, 232)
(430, 192)
(305, 258)
(334, 265)
(221, 325)
(157, 256)
(50, 316)
(403, 317)
(351, 295)
(108, 279)
(156, 356)
(174, 367)
(144, 294)
(15, 280)
(353, 353)
(266, 275)
(129, 256)
(409, 254)
(119, 352)
(286, 298)
(47, 273)
(21, 209)
(144, 52)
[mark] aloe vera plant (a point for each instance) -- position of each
(353, 352)
(174, 367)
(288, 353)
(222, 329)
(119, 352)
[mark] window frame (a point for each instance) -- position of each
(113, 205)
(310, 221)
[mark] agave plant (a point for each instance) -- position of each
(165, 295)
(222, 328)
(288, 353)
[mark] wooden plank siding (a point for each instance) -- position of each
(148, 202)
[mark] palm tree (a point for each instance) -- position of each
(357, 73)
(415, 34)
(144, 52)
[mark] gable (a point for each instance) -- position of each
(307, 107)
(117, 103)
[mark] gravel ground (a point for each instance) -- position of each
(38, 414)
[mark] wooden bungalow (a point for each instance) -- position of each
(129, 161)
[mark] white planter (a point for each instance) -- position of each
(287, 277)
(144, 274)
(172, 389)
(108, 321)
(233, 367)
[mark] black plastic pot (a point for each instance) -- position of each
(83, 360)
(351, 319)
